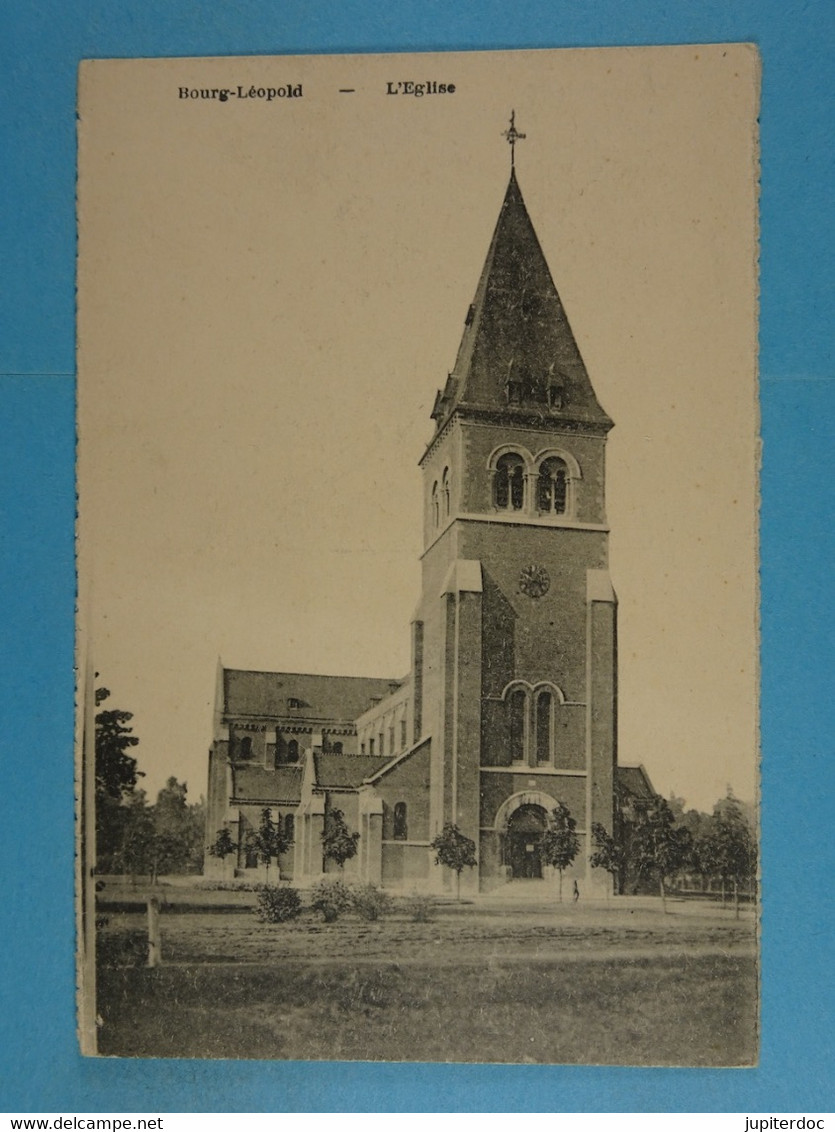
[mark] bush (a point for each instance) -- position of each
(331, 898)
(123, 948)
(369, 902)
(420, 908)
(277, 905)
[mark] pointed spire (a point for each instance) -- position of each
(518, 352)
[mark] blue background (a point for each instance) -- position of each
(40, 48)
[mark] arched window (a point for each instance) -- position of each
(544, 702)
(289, 828)
(516, 711)
(293, 751)
(509, 484)
(401, 829)
(250, 853)
(436, 505)
(446, 492)
(246, 747)
(552, 486)
(337, 748)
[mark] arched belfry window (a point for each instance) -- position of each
(436, 504)
(509, 482)
(401, 828)
(246, 747)
(517, 703)
(445, 490)
(293, 751)
(544, 716)
(552, 486)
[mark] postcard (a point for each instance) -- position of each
(417, 550)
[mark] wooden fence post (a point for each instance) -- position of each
(154, 944)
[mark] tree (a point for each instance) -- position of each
(456, 851)
(135, 849)
(702, 850)
(658, 846)
(338, 842)
(116, 772)
(158, 839)
(623, 821)
(695, 822)
(223, 846)
(560, 844)
(178, 830)
(267, 841)
(608, 854)
(165, 855)
(171, 828)
(116, 776)
(676, 805)
(130, 835)
(195, 828)
(729, 848)
(171, 803)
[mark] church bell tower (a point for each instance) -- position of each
(515, 634)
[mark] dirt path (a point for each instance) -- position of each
(488, 962)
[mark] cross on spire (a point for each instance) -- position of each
(513, 136)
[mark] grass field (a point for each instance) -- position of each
(616, 983)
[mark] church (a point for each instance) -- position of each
(510, 706)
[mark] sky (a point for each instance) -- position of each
(270, 293)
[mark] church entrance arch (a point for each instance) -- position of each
(520, 822)
(524, 833)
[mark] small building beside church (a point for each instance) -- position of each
(510, 705)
